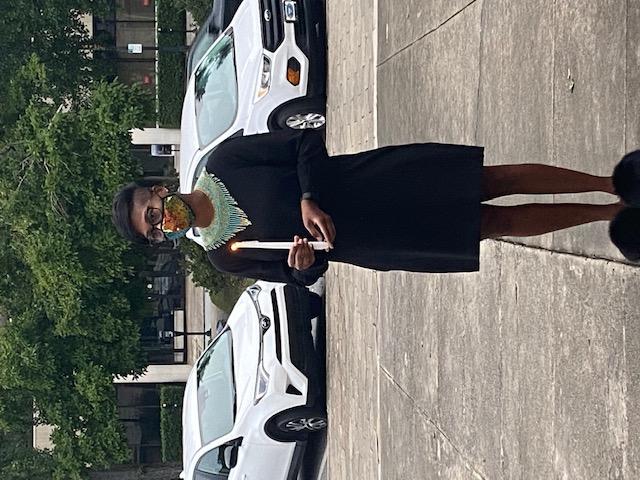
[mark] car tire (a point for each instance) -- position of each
(304, 114)
(297, 423)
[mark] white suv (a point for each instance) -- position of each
(252, 397)
(266, 71)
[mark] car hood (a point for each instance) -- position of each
(246, 332)
(246, 337)
(191, 440)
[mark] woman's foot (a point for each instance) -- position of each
(626, 179)
(624, 232)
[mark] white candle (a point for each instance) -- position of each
(276, 245)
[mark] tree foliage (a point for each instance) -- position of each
(52, 30)
(224, 289)
(20, 462)
(65, 275)
(200, 9)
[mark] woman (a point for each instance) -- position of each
(410, 207)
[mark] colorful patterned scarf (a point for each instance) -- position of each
(228, 218)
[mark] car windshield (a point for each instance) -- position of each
(216, 91)
(216, 390)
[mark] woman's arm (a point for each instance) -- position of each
(303, 149)
(271, 271)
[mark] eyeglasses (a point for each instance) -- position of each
(154, 216)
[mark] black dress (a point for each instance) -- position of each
(408, 207)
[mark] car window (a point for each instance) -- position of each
(216, 91)
(211, 466)
(198, 48)
(220, 17)
(216, 390)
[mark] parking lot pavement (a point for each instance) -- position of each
(352, 42)
(528, 369)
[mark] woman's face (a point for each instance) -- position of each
(146, 213)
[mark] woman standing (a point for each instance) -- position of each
(412, 207)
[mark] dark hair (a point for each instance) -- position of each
(626, 178)
(122, 206)
(624, 232)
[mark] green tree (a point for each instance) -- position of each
(20, 462)
(224, 289)
(200, 9)
(65, 280)
(53, 30)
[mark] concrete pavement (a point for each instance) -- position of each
(528, 369)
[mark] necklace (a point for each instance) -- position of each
(228, 217)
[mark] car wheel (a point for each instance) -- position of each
(297, 423)
(306, 114)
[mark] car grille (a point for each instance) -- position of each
(301, 25)
(272, 24)
(276, 322)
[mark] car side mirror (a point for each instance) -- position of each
(231, 455)
(214, 28)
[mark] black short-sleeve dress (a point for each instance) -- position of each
(407, 207)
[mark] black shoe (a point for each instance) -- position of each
(624, 231)
(626, 179)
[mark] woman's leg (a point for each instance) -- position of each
(538, 218)
(533, 178)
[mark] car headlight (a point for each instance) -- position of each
(265, 78)
(262, 384)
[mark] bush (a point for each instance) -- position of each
(171, 422)
(223, 289)
(171, 60)
(198, 8)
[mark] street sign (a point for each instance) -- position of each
(134, 48)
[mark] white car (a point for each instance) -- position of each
(265, 71)
(252, 398)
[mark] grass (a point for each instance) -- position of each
(171, 59)
(171, 422)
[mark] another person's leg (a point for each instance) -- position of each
(539, 218)
(533, 178)
(624, 231)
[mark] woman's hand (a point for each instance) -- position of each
(319, 224)
(301, 255)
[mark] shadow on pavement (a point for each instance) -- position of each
(314, 461)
